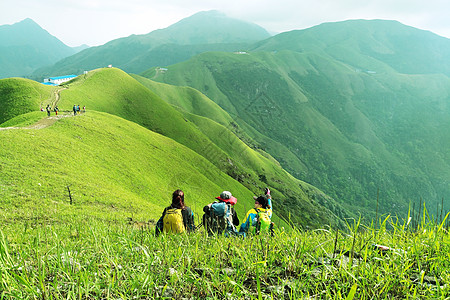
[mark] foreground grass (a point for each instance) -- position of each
(89, 259)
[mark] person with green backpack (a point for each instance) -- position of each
(176, 218)
(258, 219)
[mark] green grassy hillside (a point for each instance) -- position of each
(114, 169)
(114, 92)
(19, 96)
(188, 99)
(351, 132)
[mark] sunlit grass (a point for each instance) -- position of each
(97, 259)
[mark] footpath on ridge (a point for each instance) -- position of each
(47, 121)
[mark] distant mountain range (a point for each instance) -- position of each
(364, 44)
(25, 46)
(202, 32)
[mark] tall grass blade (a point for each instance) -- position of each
(352, 292)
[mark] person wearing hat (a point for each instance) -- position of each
(226, 197)
(213, 208)
(263, 205)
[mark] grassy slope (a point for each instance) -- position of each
(191, 101)
(115, 169)
(19, 96)
(187, 98)
(113, 91)
(201, 77)
(331, 118)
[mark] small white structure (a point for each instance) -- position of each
(58, 80)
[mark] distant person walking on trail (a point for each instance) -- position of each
(220, 216)
(56, 109)
(84, 108)
(74, 110)
(176, 218)
(48, 110)
(78, 109)
(258, 219)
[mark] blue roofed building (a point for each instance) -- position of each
(58, 79)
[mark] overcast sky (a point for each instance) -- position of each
(95, 22)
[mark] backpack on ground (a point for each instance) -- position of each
(263, 222)
(173, 221)
(219, 219)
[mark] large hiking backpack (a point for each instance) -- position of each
(263, 222)
(219, 219)
(173, 221)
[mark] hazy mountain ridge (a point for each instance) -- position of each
(25, 46)
(209, 27)
(201, 32)
(405, 49)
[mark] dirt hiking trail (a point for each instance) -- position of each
(48, 121)
(45, 122)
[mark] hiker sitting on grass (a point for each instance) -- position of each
(258, 219)
(220, 216)
(177, 218)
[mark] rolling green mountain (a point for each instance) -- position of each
(337, 98)
(204, 31)
(365, 44)
(216, 140)
(25, 46)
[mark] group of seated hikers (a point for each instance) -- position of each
(219, 217)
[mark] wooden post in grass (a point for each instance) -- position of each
(437, 213)
(420, 212)
(376, 214)
(70, 195)
(352, 251)
(335, 243)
